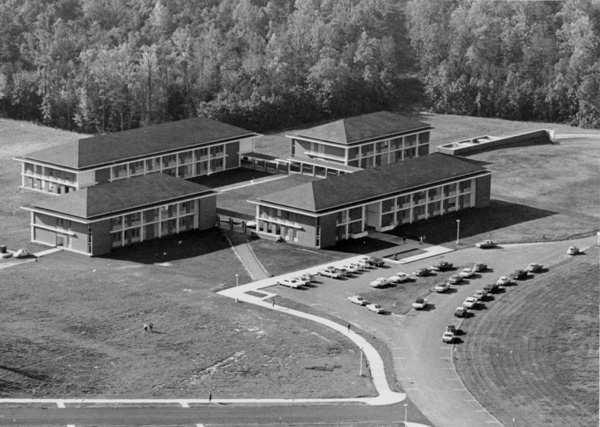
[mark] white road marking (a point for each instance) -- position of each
(60, 404)
(184, 404)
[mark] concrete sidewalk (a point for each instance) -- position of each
(375, 362)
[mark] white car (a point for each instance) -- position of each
(479, 295)
(399, 278)
(292, 282)
(573, 250)
(22, 253)
(470, 302)
(357, 299)
(467, 272)
(379, 282)
(352, 267)
(420, 304)
(332, 272)
(376, 308)
(308, 277)
(503, 281)
(455, 278)
(364, 263)
(441, 287)
(448, 337)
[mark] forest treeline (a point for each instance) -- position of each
(108, 65)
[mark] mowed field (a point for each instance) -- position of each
(534, 356)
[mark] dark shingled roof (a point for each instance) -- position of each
(363, 128)
(122, 195)
(320, 196)
(114, 147)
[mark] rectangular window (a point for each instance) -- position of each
(423, 150)
(410, 141)
(151, 215)
(355, 227)
(355, 213)
(153, 164)
(136, 168)
(424, 138)
(388, 205)
(116, 239)
(185, 157)
(387, 220)
(116, 223)
(409, 153)
(169, 161)
(133, 219)
(353, 153)
(216, 151)
(367, 150)
(383, 146)
(342, 217)
(396, 143)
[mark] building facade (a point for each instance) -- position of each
(97, 219)
(363, 142)
(183, 149)
(323, 212)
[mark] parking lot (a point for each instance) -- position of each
(423, 364)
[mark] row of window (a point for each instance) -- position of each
(50, 173)
(278, 230)
(405, 143)
(151, 231)
(153, 215)
(184, 164)
(47, 186)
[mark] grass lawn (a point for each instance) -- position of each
(72, 325)
(534, 356)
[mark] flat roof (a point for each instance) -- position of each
(122, 195)
(338, 191)
(135, 143)
(362, 128)
(324, 163)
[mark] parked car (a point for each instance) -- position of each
(503, 281)
(451, 328)
(480, 294)
(419, 304)
(364, 263)
(354, 267)
(292, 282)
(441, 266)
(22, 253)
(345, 272)
(422, 272)
(380, 282)
(518, 275)
(486, 244)
(455, 278)
(467, 272)
(448, 337)
(491, 288)
(479, 267)
(308, 277)
(470, 302)
(460, 312)
(357, 299)
(399, 278)
(375, 262)
(534, 267)
(376, 308)
(573, 250)
(441, 287)
(332, 272)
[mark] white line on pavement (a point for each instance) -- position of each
(60, 404)
(184, 404)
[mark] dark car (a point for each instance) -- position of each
(492, 288)
(422, 272)
(373, 261)
(518, 275)
(442, 266)
(479, 267)
(451, 328)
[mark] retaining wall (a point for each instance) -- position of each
(466, 148)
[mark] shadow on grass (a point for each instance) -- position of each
(361, 246)
(443, 229)
(172, 248)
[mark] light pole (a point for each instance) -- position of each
(405, 414)
(457, 230)
(237, 283)
(361, 362)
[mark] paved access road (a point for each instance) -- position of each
(422, 362)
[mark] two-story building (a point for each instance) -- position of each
(183, 149)
(363, 142)
(322, 212)
(98, 218)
